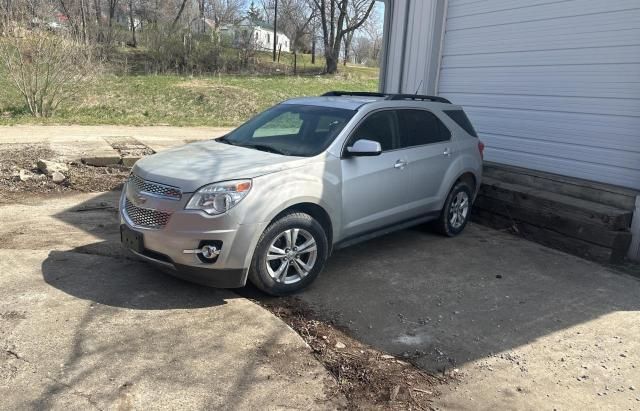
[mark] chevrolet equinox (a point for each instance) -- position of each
(270, 200)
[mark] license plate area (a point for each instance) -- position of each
(131, 239)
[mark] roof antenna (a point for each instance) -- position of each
(418, 89)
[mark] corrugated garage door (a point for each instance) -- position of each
(550, 85)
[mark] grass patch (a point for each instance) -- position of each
(224, 100)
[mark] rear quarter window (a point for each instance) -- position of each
(461, 119)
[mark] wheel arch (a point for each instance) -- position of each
(469, 178)
(317, 212)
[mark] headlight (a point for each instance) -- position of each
(219, 198)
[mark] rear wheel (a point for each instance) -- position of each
(456, 211)
(290, 254)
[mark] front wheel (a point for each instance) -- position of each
(456, 211)
(290, 254)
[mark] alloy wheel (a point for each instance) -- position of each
(459, 209)
(291, 256)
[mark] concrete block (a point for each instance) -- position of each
(101, 161)
(129, 161)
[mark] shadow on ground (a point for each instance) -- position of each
(133, 285)
(440, 302)
(106, 331)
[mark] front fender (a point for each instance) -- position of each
(313, 183)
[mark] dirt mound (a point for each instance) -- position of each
(80, 177)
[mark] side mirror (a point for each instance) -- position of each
(362, 148)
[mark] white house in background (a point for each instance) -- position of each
(261, 34)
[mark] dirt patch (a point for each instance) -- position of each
(368, 378)
(198, 84)
(80, 177)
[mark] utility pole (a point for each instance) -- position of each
(275, 30)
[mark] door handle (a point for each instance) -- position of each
(447, 152)
(400, 164)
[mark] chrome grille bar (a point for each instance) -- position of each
(155, 189)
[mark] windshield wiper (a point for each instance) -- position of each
(264, 147)
(225, 140)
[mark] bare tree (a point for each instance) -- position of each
(46, 69)
(6, 14)
(180, 11)
(336, 22)
(225, 11)
(294, 20)
(364, 45)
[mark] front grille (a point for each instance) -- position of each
(149, 187)
(143, 217)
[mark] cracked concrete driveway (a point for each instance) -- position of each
(83, 327)
(519, 325)
(526, 327)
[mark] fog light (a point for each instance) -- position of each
(207, 251)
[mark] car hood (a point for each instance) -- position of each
(191, 166)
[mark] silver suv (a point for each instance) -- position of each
(270, 200)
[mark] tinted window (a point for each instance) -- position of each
(291, 129)
(419, 127)
(460, 117)
(378, 127)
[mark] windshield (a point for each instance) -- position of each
(291, 129)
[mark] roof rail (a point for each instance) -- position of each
(418, 97)
(354, 93)
(387, 96)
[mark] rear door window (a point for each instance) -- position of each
(421, 127)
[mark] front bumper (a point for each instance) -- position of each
(185, 230)
(218, 278)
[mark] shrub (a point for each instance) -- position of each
(47, 69)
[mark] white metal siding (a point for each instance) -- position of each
(410, 64)
(549, 85)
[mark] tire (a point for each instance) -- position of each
(275, 249)
(451, 222)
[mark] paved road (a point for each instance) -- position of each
(83, 327)
(74, 142)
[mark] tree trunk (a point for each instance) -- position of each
(84, 22)
(313, 50)
(346, 53)
(295, 62)
(98, 6)
(202, 22)
(132, 24)
(332, 63)
(175, 21)
(332, 54)
(348, 39)
(112, 13)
